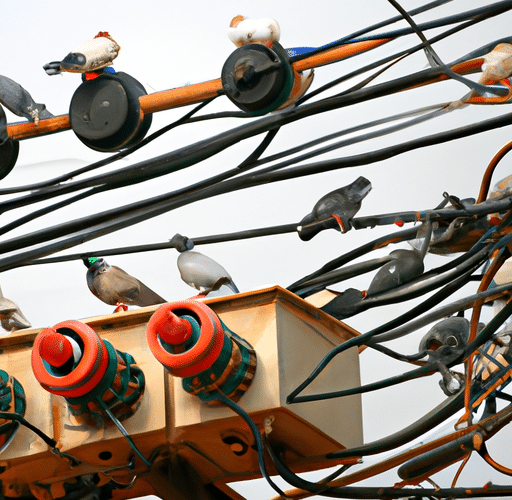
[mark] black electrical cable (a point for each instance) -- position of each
(256, 434)
(404, 53)
(481, 338)
(207, 182)
(121, 217)
(199, 151)
(475, 87)
(369, 29)
(495, 9)
(187, 118)
(372, 493)
(16, 417)
(362, 339)
(426, 423)
(383, 241)
(442, 312)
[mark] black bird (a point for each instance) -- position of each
(441, 343)
(114, 286)
(346, 304)
(404, 266)
(335, 209)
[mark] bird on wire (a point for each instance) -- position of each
(203, 273)
(335, 209)
(11, 317)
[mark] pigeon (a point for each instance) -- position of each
(346, 304)
(203, 273)
(243, 31)
(17, 100)
(498, 64)
(11, 317)
(404, 266)
(444, 341)
(114, 286)
(88, 57)
(335, 209)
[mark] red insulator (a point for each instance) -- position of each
(56, 349)
(89, 370)
(202, 354)
(175, 330)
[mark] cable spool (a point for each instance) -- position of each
(12, 400)
(190, 340)
(72, 361)
(258, 79)
(105, 113)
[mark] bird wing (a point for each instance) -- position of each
(132, 291)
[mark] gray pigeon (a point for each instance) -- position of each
(404, 266)
(11, 317)
(17, 100)
(335, 209)
(114, 286)
(203, 273)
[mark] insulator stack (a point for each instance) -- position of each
(12, 400)
(190, 340)
(72, 361)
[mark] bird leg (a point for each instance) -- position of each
(120, 306)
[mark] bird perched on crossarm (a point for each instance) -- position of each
(11, 317)
(116, 287)
(89, 56)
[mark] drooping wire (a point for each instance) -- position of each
(256, 435)
(123, 431)
(187, 118)
(498, 7)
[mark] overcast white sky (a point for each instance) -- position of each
(170, 44)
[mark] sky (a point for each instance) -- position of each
(169, 44)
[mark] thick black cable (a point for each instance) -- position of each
(497, 8)
(395, 57)
(16, 417)
(256, 434)
(442, 312)
(383, 241)
(197, 152)
(474, 86)
(427, 422)
(133, 213)
(372, 493)
(369, 29)
(187, 118)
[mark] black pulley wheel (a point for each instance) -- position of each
(105, 112)
(9, 148)
(257, 79)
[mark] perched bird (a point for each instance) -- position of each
(445, 340)
(114, 286)
(497, 65)
(404, 266)
(203, 273)
(89, 56)
(11, 317)
(335, 209)
(243, 31)
(346, 304)
(17, 100)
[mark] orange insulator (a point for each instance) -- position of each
(89, 369)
